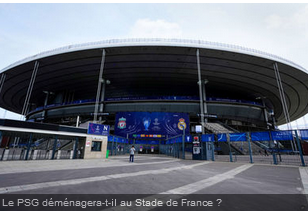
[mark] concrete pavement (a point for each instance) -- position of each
(151, 175)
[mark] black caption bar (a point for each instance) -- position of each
(161, 202)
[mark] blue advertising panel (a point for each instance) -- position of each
(260, 136)
(208, 138)
(98, 129)
(222, 137)
(282, 135)
(238, 136)
(150, 142)
(304, 134)
(154, 125)
(117, 139)
(110, 138)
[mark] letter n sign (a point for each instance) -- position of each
(98, 129)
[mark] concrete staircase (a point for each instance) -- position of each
(241, 147)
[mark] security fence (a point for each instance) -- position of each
(288, 147)
(35, 146)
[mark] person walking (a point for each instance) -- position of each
(131, 154)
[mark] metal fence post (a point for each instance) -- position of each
(29, 145)
(75, 149)
(213, 151)
(183, 144)
(249, 146)
(54, 148)
(300, 149)
(274, 158)
(230, 152)
(112, 144)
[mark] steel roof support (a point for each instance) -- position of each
(30, 87)
(45, 104)
(99, 88)
(200, 90)
(101, 107)
(3, 76)
(283, 101)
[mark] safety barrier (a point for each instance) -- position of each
(271, 147)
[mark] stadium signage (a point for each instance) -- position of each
(98, 129)
(153, 125)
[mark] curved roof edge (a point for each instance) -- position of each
(154, 42)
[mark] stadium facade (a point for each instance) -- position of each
(241, 87)
(153, 92)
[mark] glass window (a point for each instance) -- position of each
(96, 146)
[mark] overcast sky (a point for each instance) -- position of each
(27, 29)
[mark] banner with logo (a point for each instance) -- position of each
(282, 135)
(151, 124)
(98, 129)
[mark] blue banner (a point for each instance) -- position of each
(117, 139)
(282, 135)
(238, 136)
(260, 136)
(148, 125)
(304, 134)
(208, 138)
(222, 137)
(150, 142)
(98, 129)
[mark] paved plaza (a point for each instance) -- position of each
(149, 175)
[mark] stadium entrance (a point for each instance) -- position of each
(147, 146)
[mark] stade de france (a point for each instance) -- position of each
(190, 99)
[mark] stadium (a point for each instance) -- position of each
(113, 82)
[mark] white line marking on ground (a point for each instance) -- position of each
(303, 171)
(194, 187)
(93, 179)
(188, 189)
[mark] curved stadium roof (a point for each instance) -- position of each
(158, 63)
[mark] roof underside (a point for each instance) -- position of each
(159, 69)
